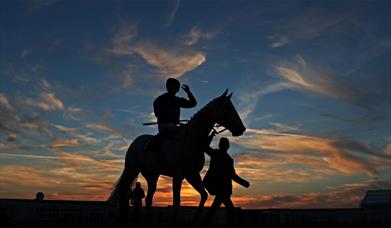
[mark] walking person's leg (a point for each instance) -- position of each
(212, 210)
(230, 210)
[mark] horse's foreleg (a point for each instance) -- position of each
(195, 181)
(176, 189)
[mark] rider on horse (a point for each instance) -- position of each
(167, 109)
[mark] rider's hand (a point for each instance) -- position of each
(186, 88)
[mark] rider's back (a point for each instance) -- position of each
(167, 107)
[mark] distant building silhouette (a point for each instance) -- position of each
(377, 199)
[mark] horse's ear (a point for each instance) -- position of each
(225, 93)
(229, 96)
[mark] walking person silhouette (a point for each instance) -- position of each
(219, 177)
(136, 200)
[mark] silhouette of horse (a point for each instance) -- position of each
(181, 156)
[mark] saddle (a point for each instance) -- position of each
(155, 143)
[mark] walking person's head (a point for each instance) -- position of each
(172, 85)
(224, 144)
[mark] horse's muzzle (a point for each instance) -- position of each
(239, 133)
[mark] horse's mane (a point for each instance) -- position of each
(202, 113)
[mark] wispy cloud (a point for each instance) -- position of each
(172, 14)
(47, 101)
(4, 103)
(279, 41)
(307, 25)
(123, 40)
(306, 78)
(71, 176)
(11, 123)
(52, 101)
(172, 61)
(248, 98)
(196, 34)
(343, 156)
(113, 133)
(24, 53)
(100, 127)
(64, 129)
(61, 143)
(74, 113)
(387, 150)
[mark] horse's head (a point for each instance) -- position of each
(227, 116)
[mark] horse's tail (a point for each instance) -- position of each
(127, 180)
(123, 186)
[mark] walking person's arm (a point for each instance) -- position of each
(240, 180)
(208, 150)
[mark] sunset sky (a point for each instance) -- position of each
(311, 81)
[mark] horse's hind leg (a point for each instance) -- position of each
(195, 181)
(176, 188)
(151, 181)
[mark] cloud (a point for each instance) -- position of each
(52, 101)
(277, 169)
(308, 25)
(387, 150)
(24, 53)
(71, 176)
(47, 101)
(122, 40)
(127, 80)
(304, 77)
(114, 134)
(34, 124)
(4, 103)
(100, 127)
(19, 178)
(83, 139)
(74, 113)
(264, 117)
(4, 146)
(44, 84)
(342, 156)
(279, 41)
(196, 34)
(248, 97)
(172, 14)
(11, 124)
(171, 61)
(64, 129)
(11, 137)
(61, 143)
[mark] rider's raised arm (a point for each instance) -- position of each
(191, 102)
